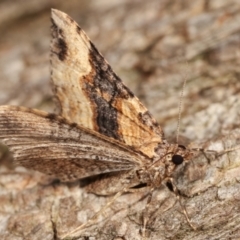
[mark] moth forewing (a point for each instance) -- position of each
(92, 95)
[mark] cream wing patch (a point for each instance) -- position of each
(92, 95)
(69, 65)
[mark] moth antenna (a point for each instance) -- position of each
(180, 106)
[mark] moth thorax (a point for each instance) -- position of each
(157, 175)
(149, 175)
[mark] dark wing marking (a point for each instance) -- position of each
(52, 145)
(92, 95)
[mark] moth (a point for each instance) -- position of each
(102, 130)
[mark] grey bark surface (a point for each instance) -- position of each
(153, 46)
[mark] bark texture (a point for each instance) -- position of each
(153, 46)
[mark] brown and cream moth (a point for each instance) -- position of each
(97, 110)
(102, 129)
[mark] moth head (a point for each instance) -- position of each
(176, 155)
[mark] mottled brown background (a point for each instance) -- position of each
(153, 46)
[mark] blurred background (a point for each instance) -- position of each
(152, 45)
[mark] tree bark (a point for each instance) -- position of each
(153, 47)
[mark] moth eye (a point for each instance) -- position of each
(177, 159)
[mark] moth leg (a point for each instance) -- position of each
(175, 190)
(108, 184)
(228, 150)
(145, 215)
(216, 153)
(93, 219)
